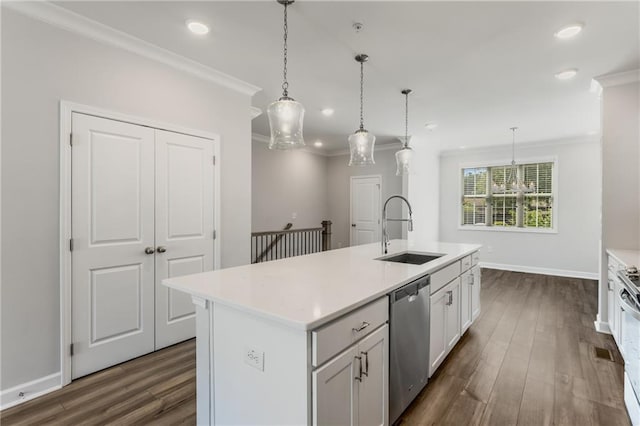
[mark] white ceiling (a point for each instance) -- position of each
(476, 68)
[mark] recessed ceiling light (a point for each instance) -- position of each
(430, 126)
(567, 74)
(327, 112)
(197, 27)
(569, 31)
(317, 144)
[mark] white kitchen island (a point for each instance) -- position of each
(304, 340)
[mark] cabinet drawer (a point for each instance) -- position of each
(444, 276)
(332, 338)
(475, 258)
(466, 263)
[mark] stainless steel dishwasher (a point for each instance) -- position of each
(408, 344)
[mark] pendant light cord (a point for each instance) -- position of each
(285, 83)
(361, 95)
(406, 120)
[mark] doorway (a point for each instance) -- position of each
(365, 209)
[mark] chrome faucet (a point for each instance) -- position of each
(385, 237)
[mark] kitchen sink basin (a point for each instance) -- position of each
(411, 257)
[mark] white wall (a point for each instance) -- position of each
(287, 182)
(423, 189)
(40, 66)
(339, 181)
(573, 250)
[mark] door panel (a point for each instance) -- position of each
(437, 339)
(453, 314)
(112, 223)
(365, 210)
(335, 390)
(184, 227)
(373, 405)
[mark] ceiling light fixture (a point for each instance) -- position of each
(327, 112)
(569, 31)
(567, 74)
(403, 157)
(430, 126)
(513, 181)
(197, 27)
(317, 144)
(361, 142)
(285, 114)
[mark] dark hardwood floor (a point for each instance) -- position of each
(528, 360)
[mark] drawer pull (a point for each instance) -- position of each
(362, 327)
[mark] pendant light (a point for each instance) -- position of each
(361, 142)
(403, 157)
(285, 114)
(515, 183)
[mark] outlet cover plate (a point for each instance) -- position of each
(254, 357)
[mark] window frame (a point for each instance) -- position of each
(501, 163)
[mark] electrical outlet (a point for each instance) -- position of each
(254, 357)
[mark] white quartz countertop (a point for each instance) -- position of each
(305, 292)
(626, 257)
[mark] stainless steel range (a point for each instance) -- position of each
(629, 299)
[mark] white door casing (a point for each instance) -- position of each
(365, 209)
(113, 224)
(184, 227)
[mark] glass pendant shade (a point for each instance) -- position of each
(285, 119)
(403, 161)
(361, 148)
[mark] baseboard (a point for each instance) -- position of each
(30, 390)
(542, 271)
(602, 327)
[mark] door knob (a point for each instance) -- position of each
(149, 250)
(161, 249)
(353, 225)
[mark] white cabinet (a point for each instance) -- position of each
(476, 285)
(466, 287)
(444, 329)
(352, 388)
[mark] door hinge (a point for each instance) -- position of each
(71, 244)
(71, 349)
(71, 139)
(214, 160)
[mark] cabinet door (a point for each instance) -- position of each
(335, 390)
(373, 404)
(452, 323)
(437, 321)
(466, 286)
(475, 293)
(611, 295)
(616, 311)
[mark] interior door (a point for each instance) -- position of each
(365, 209)
(112, 226)
(184, 227)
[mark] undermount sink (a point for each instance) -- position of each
(411, 257)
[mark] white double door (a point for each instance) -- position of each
(142, 211)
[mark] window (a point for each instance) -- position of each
(508, 196)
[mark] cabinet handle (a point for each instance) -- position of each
(359, 378)
(362, 327)
(609, 282)
(450, 301)
(471, 279)
(366, 364)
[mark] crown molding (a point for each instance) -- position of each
(536, 144)
(255, 112)
(620, 78)
(76, 23)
